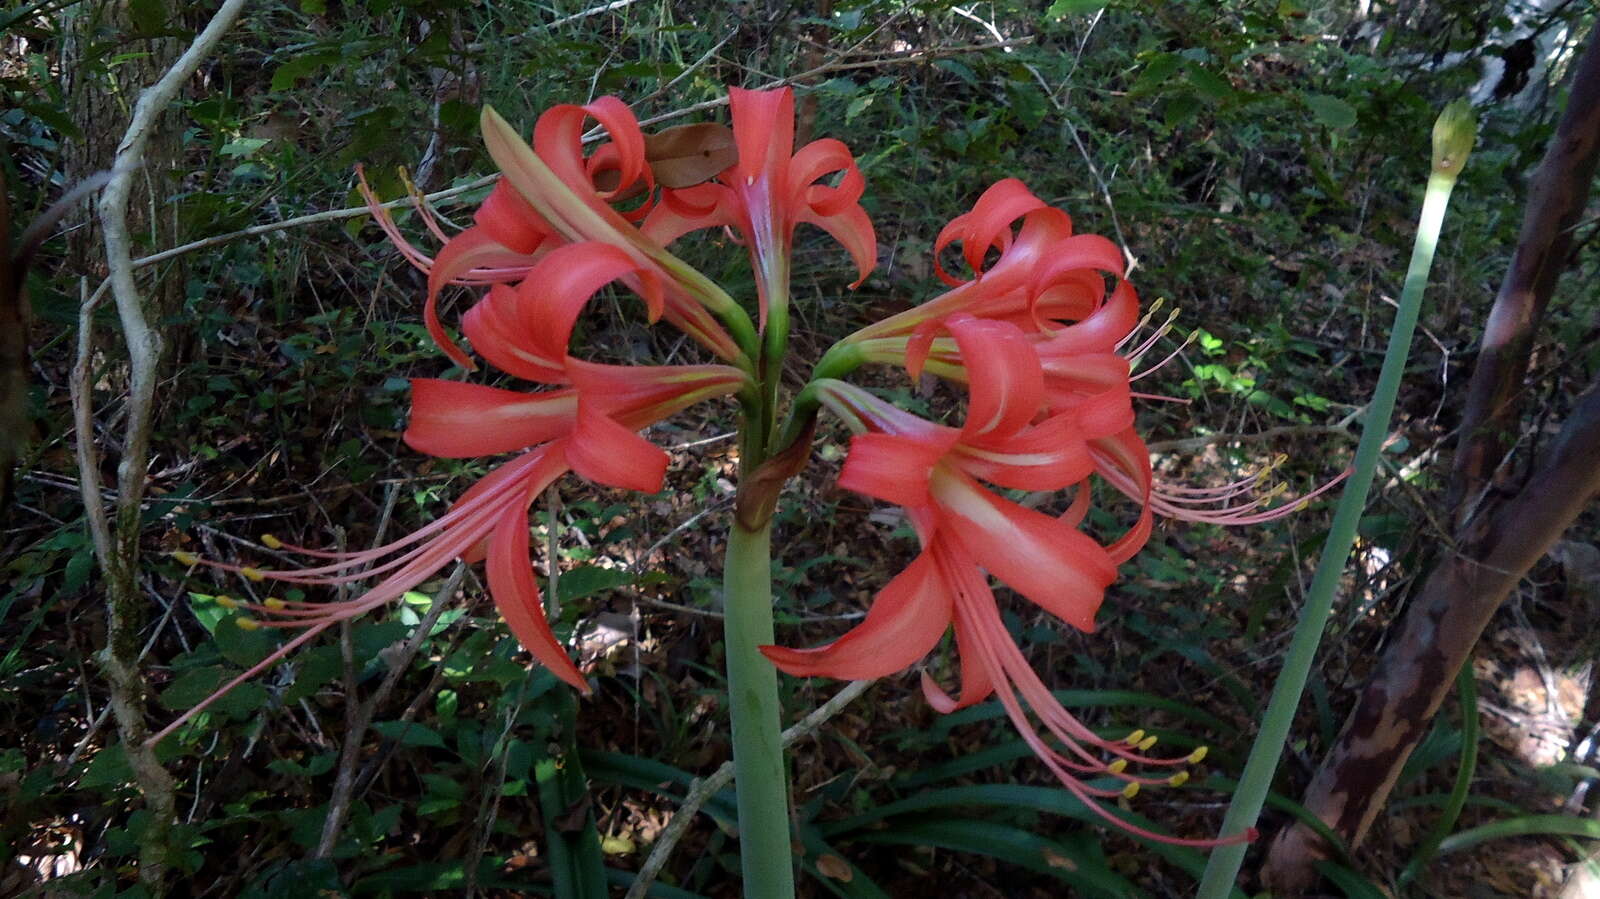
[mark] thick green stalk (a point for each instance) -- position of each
(1223, 868)
(763, 788)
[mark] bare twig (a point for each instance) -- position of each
(118, 548)
(710, 786)
(1191, 444)
(613, 6)
(360, 718)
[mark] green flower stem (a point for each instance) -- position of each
(1223, 868)
(762, 784)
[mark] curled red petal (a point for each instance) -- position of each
(851, 227)
(1102, 330)
(460, 421)
(563, 282)
(892, 468)
(466, 251)
(607, 452)
(1058, 567)
(816, 159)
(689, 209)
(1129, 453)
(511, 221)
(1047, 456)
(495, 326)
(1005, 383)
(906, 620)
(763, 131)
(516, 595)
(989, 223)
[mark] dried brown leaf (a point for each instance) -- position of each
(687, 155)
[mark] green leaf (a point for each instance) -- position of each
(1012, 844)
(321, 763)
(241, 647)
(587, 580)
(1156, 71)
(1028, 103)
(108, 768)
(409, 733)
(1209, 84)
(1331, 111)
(1352, 884)
(1073, 8)
(1527, 825)
(147, 16)
(301, 66)
(243, 147)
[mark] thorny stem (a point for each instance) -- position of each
(1223, 867)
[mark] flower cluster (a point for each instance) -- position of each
(1041, 339)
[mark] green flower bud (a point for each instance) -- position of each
(1453, 136)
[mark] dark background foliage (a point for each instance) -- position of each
(1262, 161)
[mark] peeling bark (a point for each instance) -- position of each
(1556, 199)
(1500, 531)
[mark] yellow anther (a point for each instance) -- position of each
(1147, 742)
(1198, 756)
(1131, 790)
(252, 574)
(1134, 738)
(185, 558)
(273, 603)
(1118, 766)
(271, 542)
(1179, 779)
(227, 602)
(247, 624)
(1158, 303)
(1279, 459)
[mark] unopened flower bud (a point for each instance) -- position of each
(1453, 135)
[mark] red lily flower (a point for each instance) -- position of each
(1052, 285)
(548, 198)
(1048, 404)
(589, 427)
(770, 191)
(966, 531)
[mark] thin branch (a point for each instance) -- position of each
(710, 786)
(1192, 444)
(350, 754)
(118, 550)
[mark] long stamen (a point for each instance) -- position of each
(987, 646)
